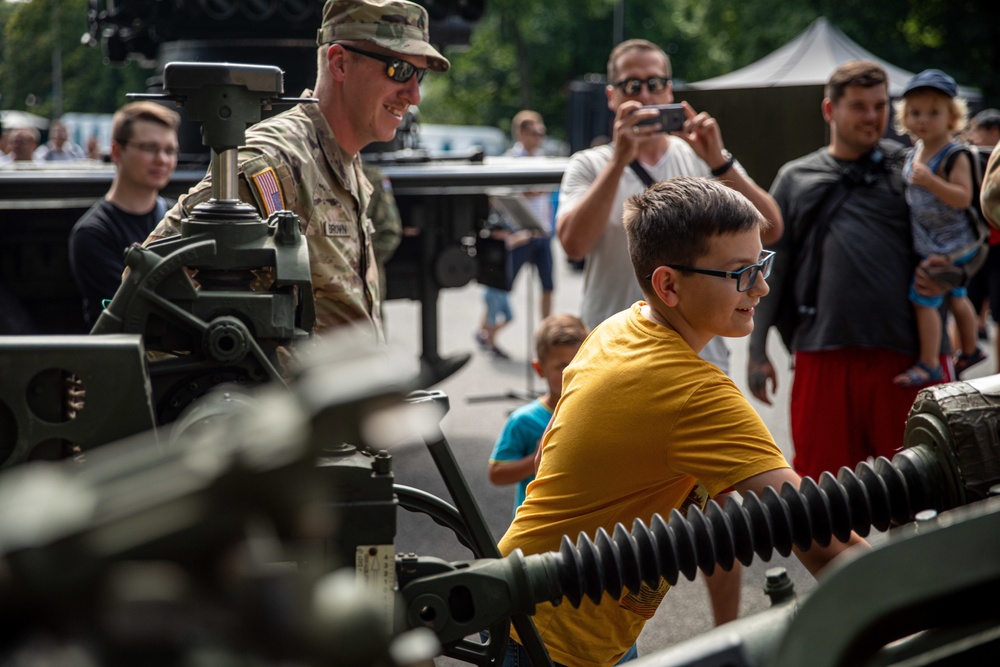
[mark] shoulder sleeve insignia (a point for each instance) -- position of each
(266, 184)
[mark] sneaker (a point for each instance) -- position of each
(498, 353)
(481, 340)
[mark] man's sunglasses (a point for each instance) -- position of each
(396, 69)
(655, 84)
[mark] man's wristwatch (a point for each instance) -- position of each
(725, 166)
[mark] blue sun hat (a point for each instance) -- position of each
(932, 78)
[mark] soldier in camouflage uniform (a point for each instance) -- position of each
(372, 55)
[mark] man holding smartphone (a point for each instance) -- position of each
(598, 180)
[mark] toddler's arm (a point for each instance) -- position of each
(955, 190)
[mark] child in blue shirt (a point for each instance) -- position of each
(557, 339)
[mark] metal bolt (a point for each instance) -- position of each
(778, 585)
(382, 463)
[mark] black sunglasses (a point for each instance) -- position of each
(745, 277)
(655, 84)
(396, 69)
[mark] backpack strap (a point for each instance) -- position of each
(950, 154)
(980, 228)
(641, 172)
(975, 169)
(975, 164)
(945, 158)
(810, 261)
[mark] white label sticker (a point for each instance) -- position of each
(375, 571)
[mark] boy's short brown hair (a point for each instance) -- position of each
(126, 116)
(673, 222)
(556, 330)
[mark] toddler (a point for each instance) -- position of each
(939, 196)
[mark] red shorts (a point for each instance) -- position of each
(845, 407)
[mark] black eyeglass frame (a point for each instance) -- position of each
(764, 265)
(396, 69)
(664, 81)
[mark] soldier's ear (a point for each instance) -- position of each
(336, 62)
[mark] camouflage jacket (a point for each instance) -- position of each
(329, 192)
(385, 219)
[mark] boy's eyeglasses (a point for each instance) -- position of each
(745, 277)
(654, 84)
(153, 148)
(396, 69)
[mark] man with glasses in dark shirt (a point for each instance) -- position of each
(144, 152)
(372, 56)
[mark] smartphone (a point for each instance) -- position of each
(671, 117)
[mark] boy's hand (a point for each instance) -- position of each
(759, 373)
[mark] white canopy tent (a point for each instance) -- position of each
(769, 111)
(809, 59)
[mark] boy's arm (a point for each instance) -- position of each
(724, 589)
(512, 472)
(817, 557)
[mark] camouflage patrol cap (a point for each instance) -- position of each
(397, 25)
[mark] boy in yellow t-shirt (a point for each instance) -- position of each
(643, 419)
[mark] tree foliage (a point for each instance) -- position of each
(526, 53)
(33, 32)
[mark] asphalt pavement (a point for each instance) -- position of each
(484, 391)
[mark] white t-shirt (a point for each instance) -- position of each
(539, 204)
(609, 283)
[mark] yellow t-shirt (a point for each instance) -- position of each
(641, 420)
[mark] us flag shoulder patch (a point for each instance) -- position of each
(267, 186)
